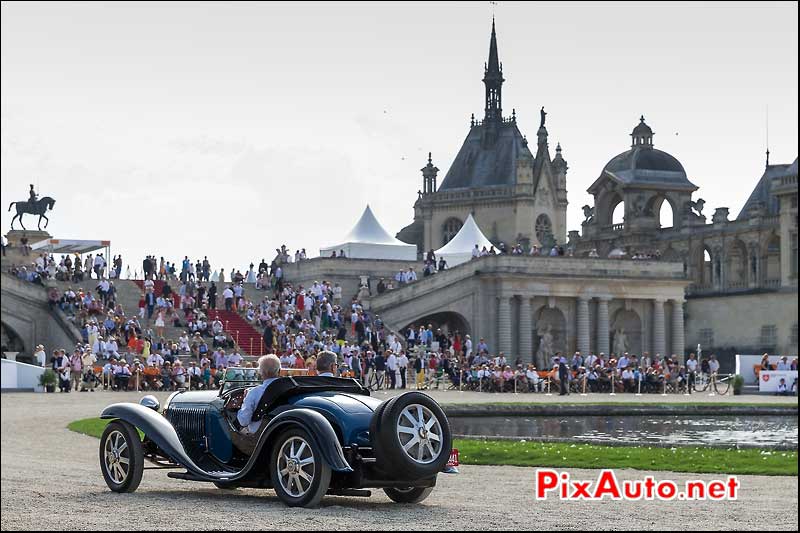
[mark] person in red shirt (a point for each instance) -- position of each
(132, 343)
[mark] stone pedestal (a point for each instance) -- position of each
(15, 236)
(14, 253)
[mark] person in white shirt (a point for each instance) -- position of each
(88, 359)
(391, 367)
(402, 365)
(713, 364)
(235, 359)
(195, 375)
(535, 382)
(476, 252)
(183, 343)
(227, 296)
(269, 368)
(155, 359)
(40, 356)
(783, 364)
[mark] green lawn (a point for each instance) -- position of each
(627, 404)
(93, 427)
(681, 459)
(521, 453)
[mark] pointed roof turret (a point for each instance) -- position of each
(493, 65)
(493, 79)
(558, 161)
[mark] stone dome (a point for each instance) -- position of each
(645, 165)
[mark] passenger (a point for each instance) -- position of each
(326, 362)
(269, 368)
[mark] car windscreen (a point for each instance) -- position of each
(236, 378)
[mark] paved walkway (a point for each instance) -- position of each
(51, 480)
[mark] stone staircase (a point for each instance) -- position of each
(244, 334)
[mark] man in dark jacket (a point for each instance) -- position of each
(268, 335)
(563, 374)
(380, 368)
(212, 296)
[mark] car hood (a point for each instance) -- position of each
(193, 397)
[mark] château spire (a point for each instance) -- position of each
(493, 80)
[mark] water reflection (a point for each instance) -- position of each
(680, 430)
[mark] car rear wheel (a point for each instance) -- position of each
(300, 475)
(121, 457)
(413, 439)
(408, 495)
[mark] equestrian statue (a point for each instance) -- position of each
(34, 206)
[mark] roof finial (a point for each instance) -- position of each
(558, 147)
(513, 114)
(472, 121)
(429, 158)
(767, 117)
(641, 119)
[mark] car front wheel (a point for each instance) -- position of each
(408, 495)
(300, 475)
(121, 457)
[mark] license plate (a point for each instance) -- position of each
(453, 457)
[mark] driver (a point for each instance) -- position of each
(269, 368)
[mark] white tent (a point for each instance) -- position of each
(459, 249)
(368, 240)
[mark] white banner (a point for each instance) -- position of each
(769, 380)
(746, 365)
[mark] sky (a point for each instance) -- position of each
(228, 129)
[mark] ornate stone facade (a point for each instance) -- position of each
(514, 195)
(754, 254)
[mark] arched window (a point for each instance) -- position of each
(666, 215)
(450, 229)
(543, 228)
(618, 214)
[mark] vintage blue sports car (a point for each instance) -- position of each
(318, 436)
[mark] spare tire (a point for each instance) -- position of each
(413, 439)
(375, 431)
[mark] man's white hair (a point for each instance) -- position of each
(269, 366)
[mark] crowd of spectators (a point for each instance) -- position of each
(297, 323)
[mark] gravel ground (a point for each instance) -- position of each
(51, 480)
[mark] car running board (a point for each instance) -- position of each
(350, 492)
(188, 476)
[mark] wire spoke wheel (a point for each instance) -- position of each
(296, 467)
(116, 456)
(121, 457)
(420, 434)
